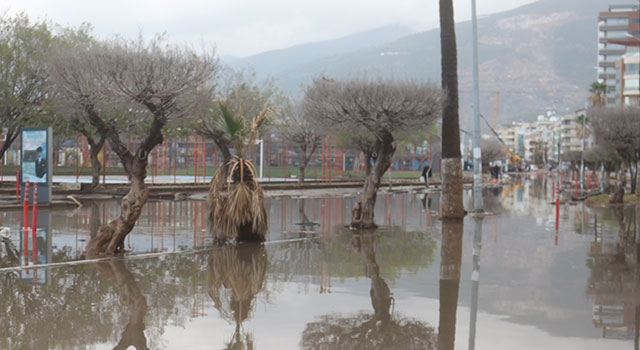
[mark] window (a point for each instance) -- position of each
(631, 68)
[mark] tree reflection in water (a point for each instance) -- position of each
(236, 276)
(451, 257)
(614, 282)
(381, 330)
(117, 273)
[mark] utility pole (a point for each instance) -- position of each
(477, 154)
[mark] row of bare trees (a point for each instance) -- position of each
(618, 130)
(106, 89)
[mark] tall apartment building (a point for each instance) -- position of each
(617, 27)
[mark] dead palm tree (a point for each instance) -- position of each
(235, 197)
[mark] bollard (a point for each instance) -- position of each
(25, 225)
(34, 223)
(25, 206)
(34, 211)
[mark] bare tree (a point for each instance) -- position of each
(72, 48)
(378, 110)
(23, 73)
(164, 84)
(619, 129)
(451, 201)
(297, 129)
(491, 150)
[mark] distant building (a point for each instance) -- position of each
(617, 26)
(536, 142)
(628, 72)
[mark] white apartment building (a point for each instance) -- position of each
(616, 26)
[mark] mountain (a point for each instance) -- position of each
(272, 63)
(539, 57)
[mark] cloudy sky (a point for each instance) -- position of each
(246, 27)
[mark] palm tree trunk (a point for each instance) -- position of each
(451, 201)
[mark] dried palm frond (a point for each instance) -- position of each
(216, 199)
(240, 214)
(257, 122)
(259, 219)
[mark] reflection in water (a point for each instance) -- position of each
(535, 287)
(364, 331)
(83, 305)
(451, 254)
(94, 219)
(236, 276)
(117, 273)
(614, 282)
(9, 254)
(475, 279)
(381, 298)
(306, 226)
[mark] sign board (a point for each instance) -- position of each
(36, 164)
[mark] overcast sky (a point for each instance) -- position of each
(246, 27)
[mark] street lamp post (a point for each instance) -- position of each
(582, 157)
(477, 156)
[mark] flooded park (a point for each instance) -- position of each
(529, 276)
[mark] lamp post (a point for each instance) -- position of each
(477, 156)
(582, 157)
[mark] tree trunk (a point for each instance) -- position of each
(367, 163)
(636, 185)
(96, 166)
(301, 175)
(11, 136)
(384, 149)
(618, 195)
(110, 240)
(452, 206)
(633, 172)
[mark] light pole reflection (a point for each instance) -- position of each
(475, 279)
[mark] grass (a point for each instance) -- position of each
(603, 199)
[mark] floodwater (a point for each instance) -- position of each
(523, 278)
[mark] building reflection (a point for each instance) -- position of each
(614, 282)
